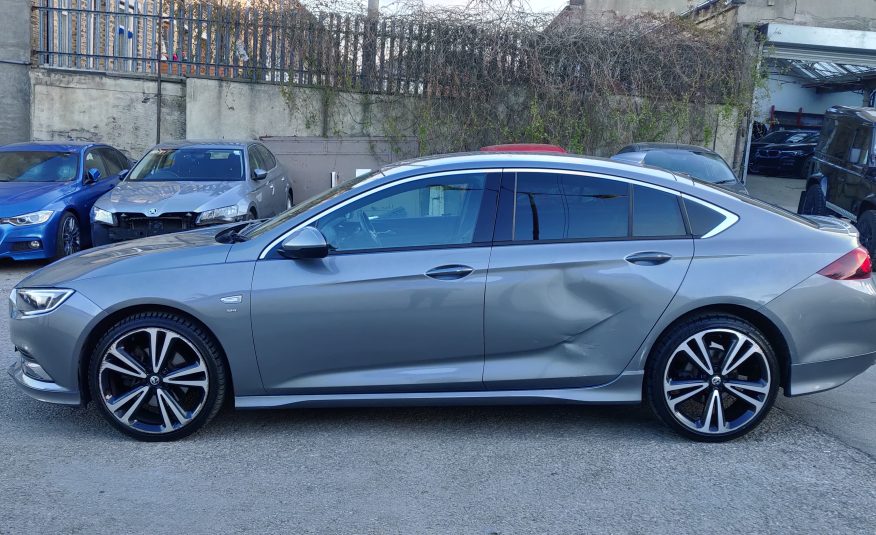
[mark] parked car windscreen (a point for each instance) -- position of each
(38, 166)
(702, 165)
(190, 164)
(784, 136)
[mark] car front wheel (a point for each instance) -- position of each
(712, 378)
(69, 240)
(157, 376)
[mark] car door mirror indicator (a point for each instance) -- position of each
(307, 243)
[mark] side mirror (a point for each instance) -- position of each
(123, 173)
(92, 175)
(307, 243)
(259, 174)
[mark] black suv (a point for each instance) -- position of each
(843, 177)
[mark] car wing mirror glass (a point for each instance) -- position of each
(259, 174)
(92, 175)
(307, 243)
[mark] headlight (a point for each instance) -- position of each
(34, 301)
(33, 218)
(226, 214)
(102, 216)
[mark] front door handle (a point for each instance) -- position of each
(449, 273)
(648, 258)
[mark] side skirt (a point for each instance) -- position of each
(627, 388)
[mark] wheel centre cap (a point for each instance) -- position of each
(716, 380)
(154, 380)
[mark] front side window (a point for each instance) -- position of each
(111, 163)
(38, 166)
(441, 211)
(189, 164)
(556, 206)
(267, 159)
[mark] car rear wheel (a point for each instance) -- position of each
(867, 229)
(157, 376)
(813, 201)
(712, 378)
(69, 238)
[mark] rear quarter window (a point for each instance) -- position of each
(701, 218)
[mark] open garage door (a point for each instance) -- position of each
(810, 70)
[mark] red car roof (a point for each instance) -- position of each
(524, 147)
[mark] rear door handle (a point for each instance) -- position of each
(648, 258)
(449, 273)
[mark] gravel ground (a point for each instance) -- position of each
(809, 468)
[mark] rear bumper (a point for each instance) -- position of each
(820, 376)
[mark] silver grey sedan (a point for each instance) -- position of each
(465, 279)
(188, 184)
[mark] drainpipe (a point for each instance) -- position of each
(160, 30)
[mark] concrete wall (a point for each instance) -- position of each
(14, 82)
(118, 110)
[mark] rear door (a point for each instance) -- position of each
(277, 178)
(581, 270)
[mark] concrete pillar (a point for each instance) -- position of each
(14, 71)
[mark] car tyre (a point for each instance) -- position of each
(867, 229)
(157, 399)
(69, 238)
(712, 378)
(814, 202)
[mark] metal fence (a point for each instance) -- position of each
(285, 45)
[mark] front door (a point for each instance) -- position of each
(582, 269)
(397, 306)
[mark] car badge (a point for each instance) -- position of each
(152, 212)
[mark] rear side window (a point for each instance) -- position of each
(860, 151)
(656, 213)
(559, 206)
(702, 219)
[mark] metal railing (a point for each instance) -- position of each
(282, 45)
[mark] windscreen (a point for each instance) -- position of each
(780, 136)
(38, 166)
(702, 165)
(190, 164)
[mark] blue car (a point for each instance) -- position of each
(46, 194)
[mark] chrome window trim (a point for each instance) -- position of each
(355, 198)
(730, 218)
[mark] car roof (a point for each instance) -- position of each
(57, 146)
(644, 147)
(206, 143)
(864, 114)
(522, 160)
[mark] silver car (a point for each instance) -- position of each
(184, 185)
(467, 279)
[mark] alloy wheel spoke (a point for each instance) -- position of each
(120, 401)
(701, 362)
(674, 386)
(674, 402)
(183, 376)
(714, 410)
(731, 365)
(143, 393)
(743, 391)
(122, 356)
(174, 407)
(159, 355)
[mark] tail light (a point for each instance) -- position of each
(854, 265)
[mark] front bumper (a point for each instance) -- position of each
(780, 165)
(47, 391)
(14, 241)
(53, 341)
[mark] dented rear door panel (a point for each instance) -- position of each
(565, 315)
